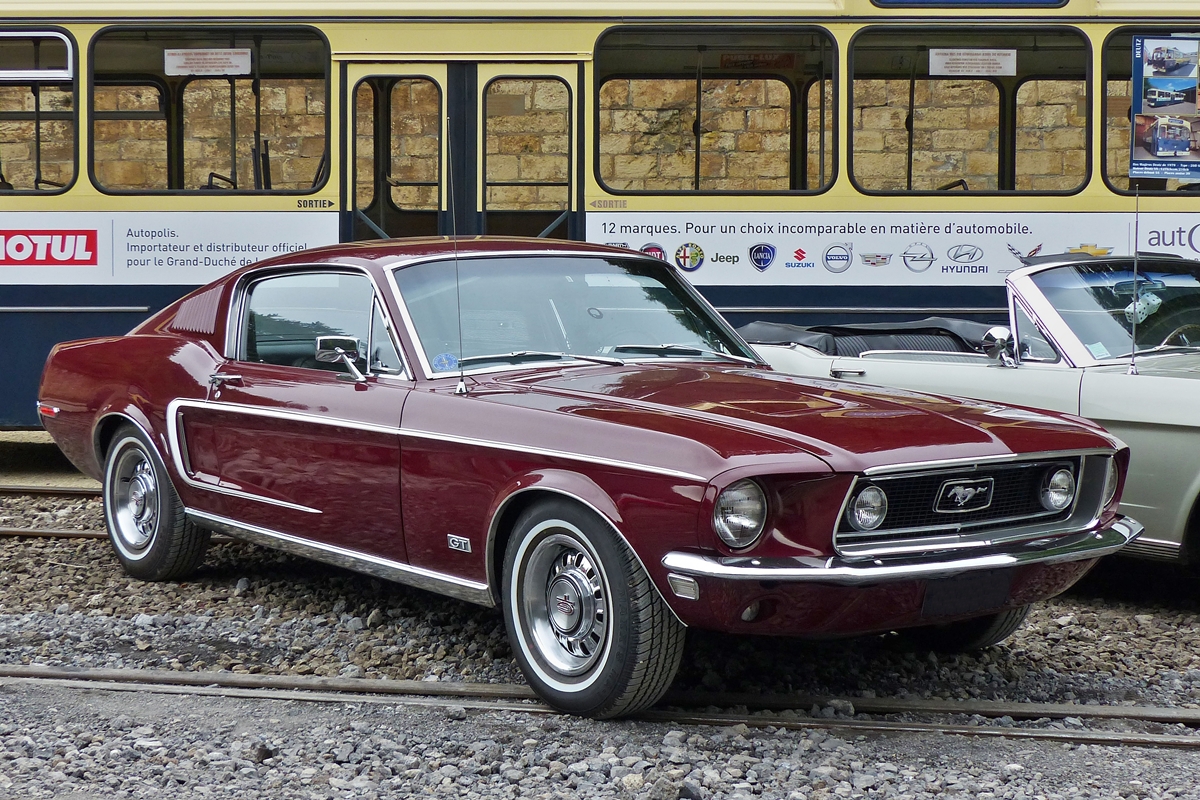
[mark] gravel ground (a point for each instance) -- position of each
(1127, 634)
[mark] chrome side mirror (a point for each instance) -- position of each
(998, 344)
(343, 349)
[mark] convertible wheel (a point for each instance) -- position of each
(969, 634)
(589, 630)
(146, 524)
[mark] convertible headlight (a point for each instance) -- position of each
(1111, 479)
(1058, 489)
(740, 514)
(867, 509)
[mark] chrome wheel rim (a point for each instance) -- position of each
(564, 604)
(133, 500)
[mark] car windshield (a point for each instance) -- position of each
(1098, 302)
(485, 312)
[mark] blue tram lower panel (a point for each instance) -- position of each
(828, 305)
(35, 318)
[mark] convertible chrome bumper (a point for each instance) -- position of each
(844, 572)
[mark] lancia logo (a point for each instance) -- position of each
(564, 605)
(958, 496)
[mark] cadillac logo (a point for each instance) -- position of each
(959, 496)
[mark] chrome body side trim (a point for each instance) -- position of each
(74, 309)
(179, 452)
(376, 566)
(927, 310)
(315, 419)
(494, 529)
(1156, 549)
(844, 572)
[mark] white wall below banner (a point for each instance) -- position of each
(880, 249)
(149, 248)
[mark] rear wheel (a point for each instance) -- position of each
(589, 630)
(152, 538)
(969, 634)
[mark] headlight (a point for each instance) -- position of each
(1111, 479)
(867, 510)
(740, 513)
(1058, 490)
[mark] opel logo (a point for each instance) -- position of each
(918, 257)
(965, 253)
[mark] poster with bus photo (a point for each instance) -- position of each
(1166, 124)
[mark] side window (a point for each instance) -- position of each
(951, 109)
(283, 316)
(208, 109)
(37, 111)
(384, 359)
(1032, 346)
(705, 110)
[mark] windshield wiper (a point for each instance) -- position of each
(540, 355)
(681, 349)
(1161, 348)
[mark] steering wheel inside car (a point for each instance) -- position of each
(1190, 328)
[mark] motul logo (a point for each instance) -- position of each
(48, 248)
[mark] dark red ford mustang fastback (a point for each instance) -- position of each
(570, 432)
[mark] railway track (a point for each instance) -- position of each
(693, 709)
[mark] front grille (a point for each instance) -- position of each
(925, 504)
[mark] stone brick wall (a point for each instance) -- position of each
(131, 154)
(956, 134)
(527, 129)
(17, 151)
(647, 135)
(415, 143)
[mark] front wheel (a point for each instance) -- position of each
(590, 631)
(969, 634)
(152, 538)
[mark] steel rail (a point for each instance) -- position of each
(520, 698)
(60, 491)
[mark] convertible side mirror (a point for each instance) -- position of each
(344, 349)
(998, 344)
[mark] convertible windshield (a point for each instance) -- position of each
(1100, 304)
(486, 312)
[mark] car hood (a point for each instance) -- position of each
(1166, 365)
(849, 426)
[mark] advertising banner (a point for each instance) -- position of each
(880, 248)
(170, 248)
(1165, 141)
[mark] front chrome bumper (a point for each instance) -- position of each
(843, 572)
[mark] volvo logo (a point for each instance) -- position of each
(837, 257)
(958, 496)
(918, 257)
(762, 256)
(965, 253)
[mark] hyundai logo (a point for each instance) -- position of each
(965, 253)
(762, 256)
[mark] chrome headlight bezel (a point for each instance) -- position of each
(1112, 479)
(1058, 489)
(868, 509)
(739, 514)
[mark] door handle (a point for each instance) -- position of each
(838, 372)
(218, 379)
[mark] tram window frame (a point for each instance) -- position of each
(798, 153)
(58, 78)
(1137, 186)
(557, 229)
(175, 112)
(974, 35)
(394, 211)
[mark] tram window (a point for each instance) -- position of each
(527, 160)
(37, 112)
(762, 124)
(209, 109)
(1016, 127)
(1170, 117)
(397, 123)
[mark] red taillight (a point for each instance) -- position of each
(47, 410)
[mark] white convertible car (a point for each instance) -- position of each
(1088, 336)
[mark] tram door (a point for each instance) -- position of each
(463, 148)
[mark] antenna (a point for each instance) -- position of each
(1137, 295)
(461, 388)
